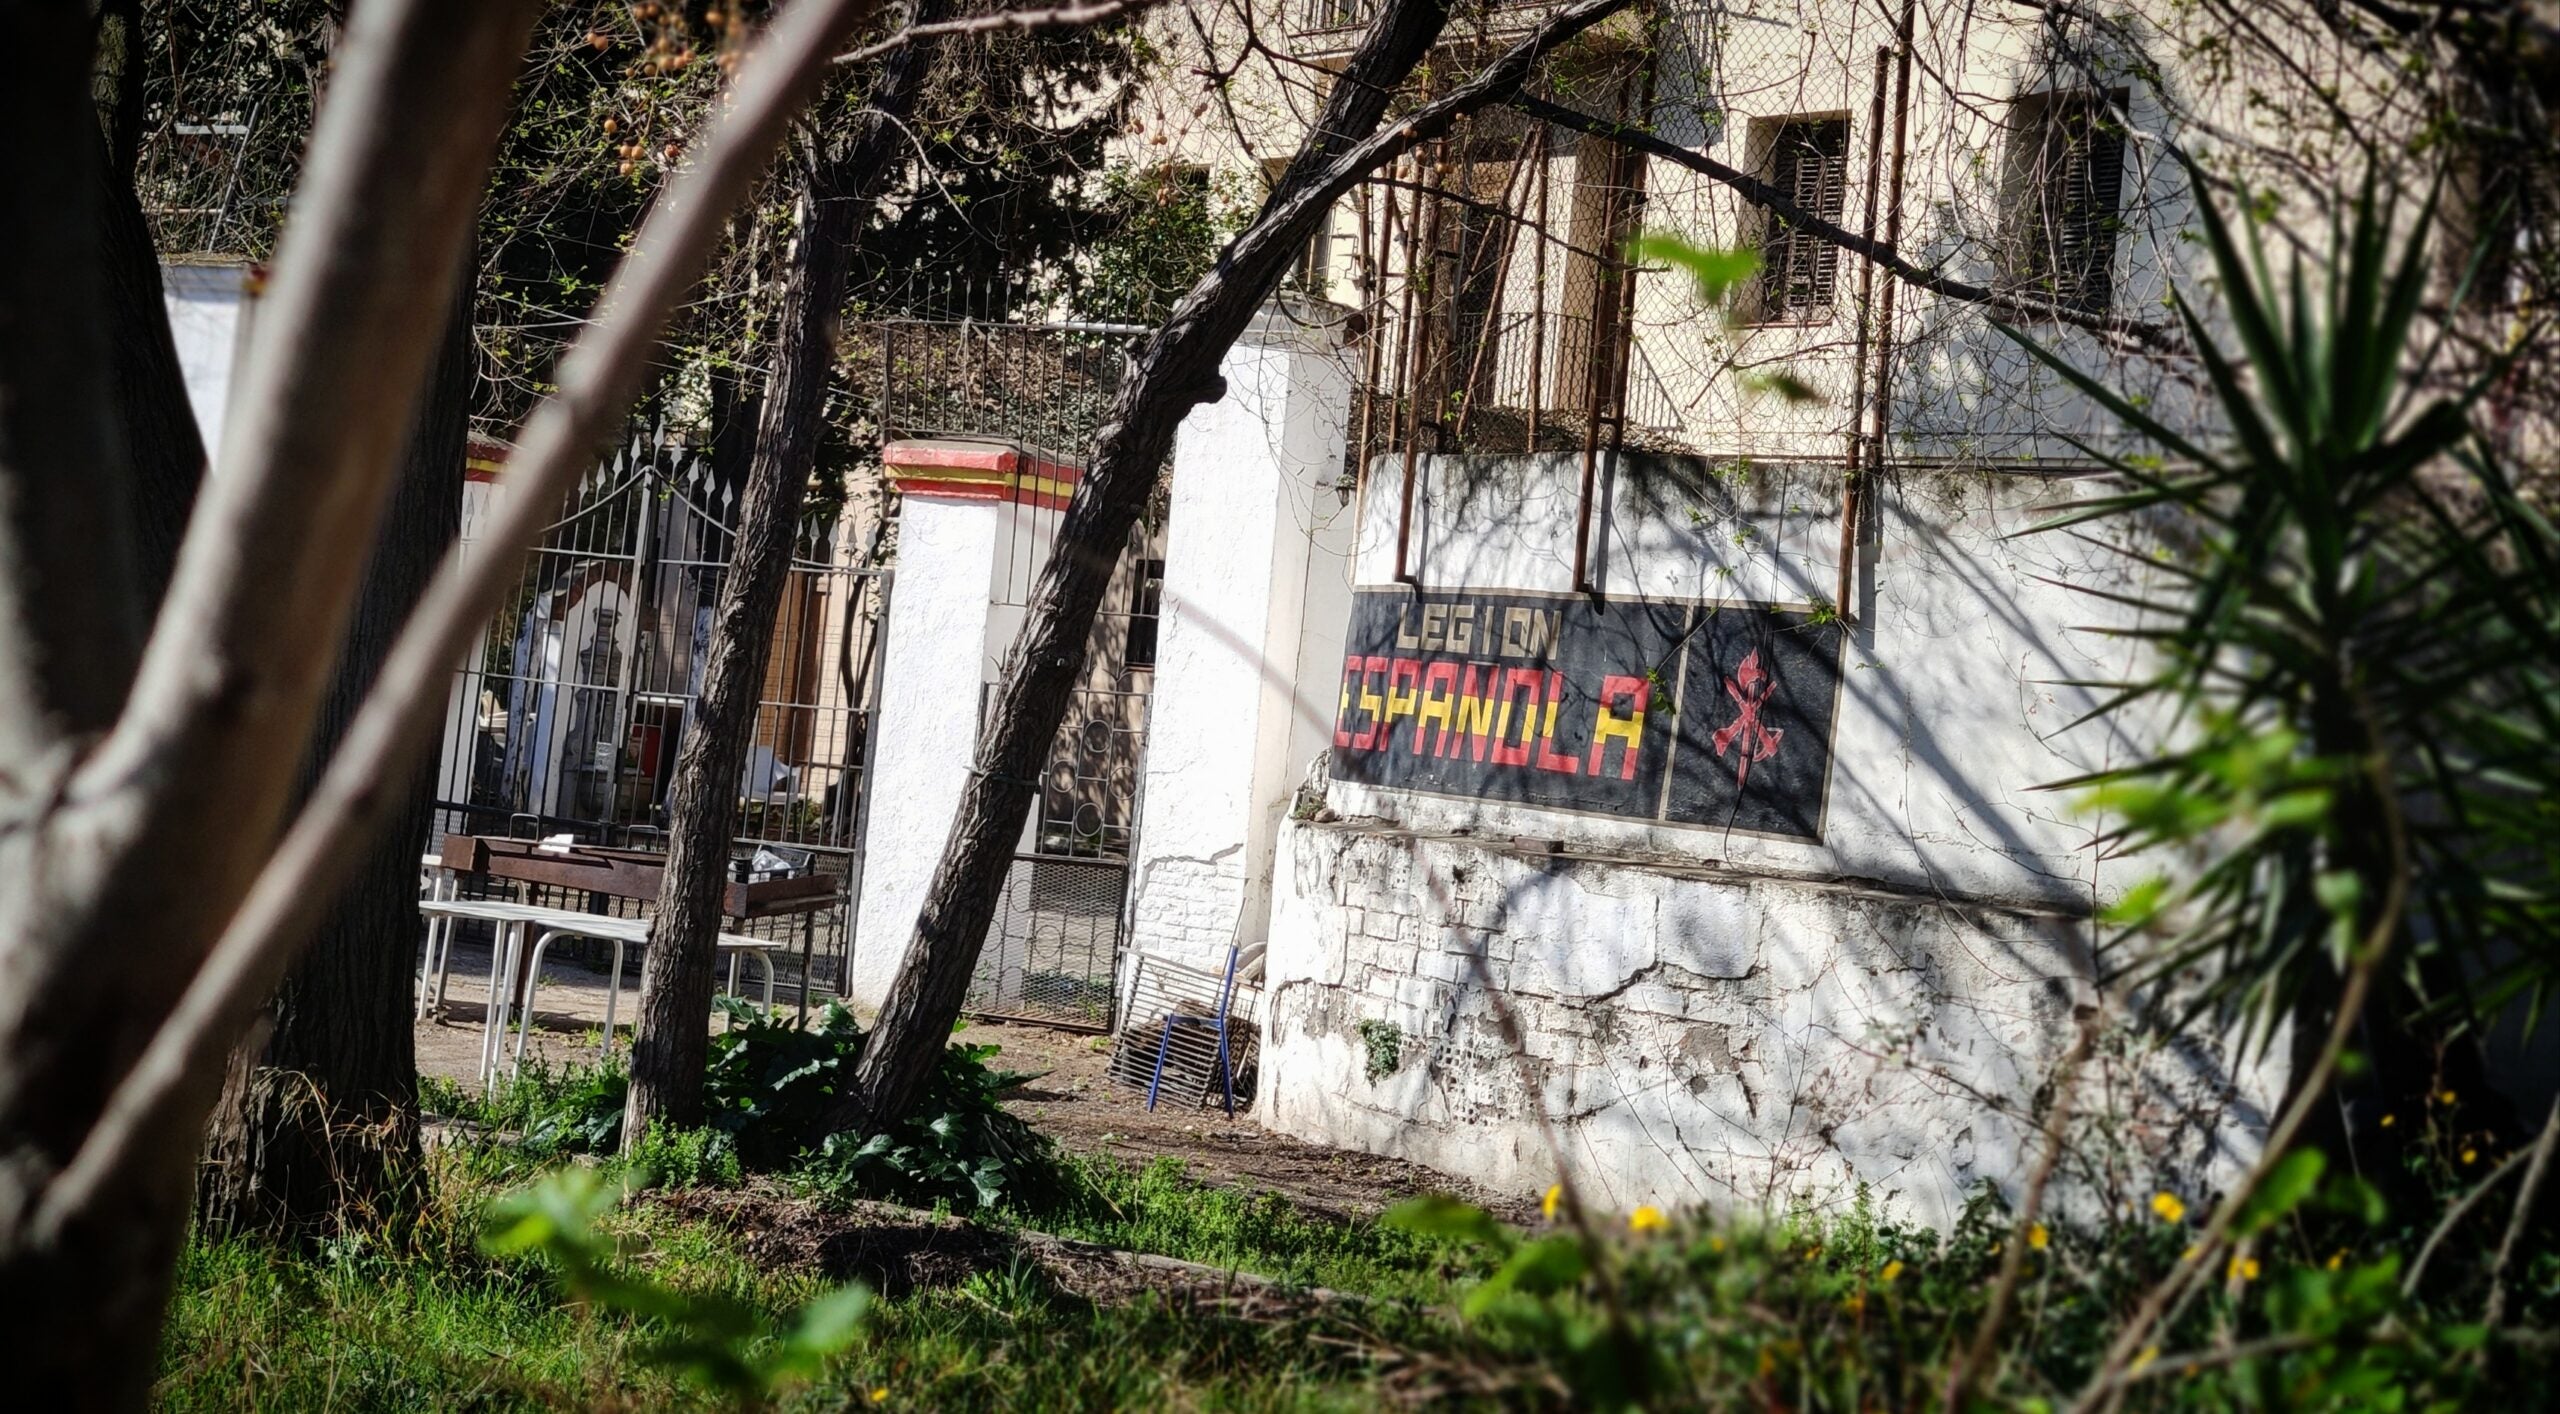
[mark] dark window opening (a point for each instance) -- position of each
(1808, 162)
(2064, 181)
(1143, 611)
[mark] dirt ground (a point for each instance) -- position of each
(1074, 1102)
(1069, 1095)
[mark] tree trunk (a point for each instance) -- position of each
(139, 798)
(842, 179)
(1175, 373)
(321, 1128)
(163, 447)
(670, 1048)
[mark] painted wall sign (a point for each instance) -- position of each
(1715, 715)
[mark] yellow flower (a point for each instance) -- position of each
(2149, 1354)
(2037, 1237)
(2471, 1156)
(1647, 1219)
(1892, 1270)
(880, 1394)
(2337, 1257)
(2190, 1254)
(2447, 1097)
(1554, 1199)
(2390, 1120)
(1715, 1244)
(1855, 1305)
(2169, 1206)
(2241, 1268)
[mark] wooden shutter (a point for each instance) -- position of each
(1809, 161)
(2079, 175)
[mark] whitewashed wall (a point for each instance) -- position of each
(1950, 720)
(1256, 596)
(209, 306)
(944, 639)
(1729, 1019)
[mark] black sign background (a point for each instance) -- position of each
(1502, 697)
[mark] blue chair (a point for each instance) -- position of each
(1216, 1025)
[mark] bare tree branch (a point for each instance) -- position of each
(1063, 16)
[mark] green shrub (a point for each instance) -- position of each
(766, 1095)
(1848, 1313)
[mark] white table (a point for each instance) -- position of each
(515, 922)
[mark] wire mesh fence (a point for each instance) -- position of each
(1502, 311)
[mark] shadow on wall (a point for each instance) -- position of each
(1699, 1036)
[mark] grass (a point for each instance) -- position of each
(1161, 1209)
(1847, 1313)
(429, 1323)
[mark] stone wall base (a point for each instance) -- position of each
(1697, 1035)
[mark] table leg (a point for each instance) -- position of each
(489, 1008)
(508, 944)
(612, 994)
(532, 980)
(808, 947)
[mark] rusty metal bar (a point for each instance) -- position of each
(1416, 325)
(1857, 451)
(1374, 313)
(1538, 297)
(1853, 495)
(1519, 174)
(1603, 363)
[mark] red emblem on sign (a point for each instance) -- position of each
(1749, 688)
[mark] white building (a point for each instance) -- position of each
(1668, 680)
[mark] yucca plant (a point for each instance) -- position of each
(2357, 639)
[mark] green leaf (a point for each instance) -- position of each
(2139, 903)
(2293, 1179)
(1547, 1265)
(1717, 272)
(829, 1324)
(1438, 1215)
(2339, 891)
(1786, 386)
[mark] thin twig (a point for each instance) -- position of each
(2452, 1218)
(2189, 1363)
(2533, 1177)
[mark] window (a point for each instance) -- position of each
(2064, 178)
(1807, 160)
(1144, 610)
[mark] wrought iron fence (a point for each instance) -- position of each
(570, 714)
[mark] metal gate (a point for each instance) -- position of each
(1052, 951)
(569, 716)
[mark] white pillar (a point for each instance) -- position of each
(1257, 593)
(971, 523)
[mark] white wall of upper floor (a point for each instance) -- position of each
(1961, 392)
